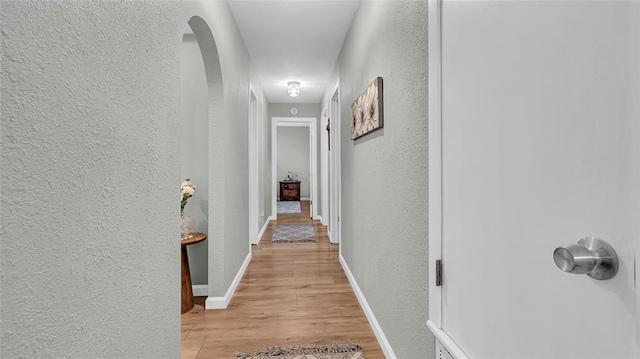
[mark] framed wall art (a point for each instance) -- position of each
(366, 111)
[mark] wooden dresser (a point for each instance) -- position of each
(290, 190)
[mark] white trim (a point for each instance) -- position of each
(264, 228)
(446, 341)
(305, 198)
(324, 166)
(375, 326)
(200, 290)
(253, 167)
(435, 157)
(223, 302)
(311, 123)
(318, 218)
(334, 163)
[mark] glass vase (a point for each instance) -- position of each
(186, 226)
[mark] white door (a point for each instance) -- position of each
(540, 148)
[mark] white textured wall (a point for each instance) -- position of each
(194, 148)
(284, 110)
(90, 169)
(384, 173)
(293, 156)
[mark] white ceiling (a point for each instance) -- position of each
(294, 40)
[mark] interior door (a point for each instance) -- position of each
(540, 134)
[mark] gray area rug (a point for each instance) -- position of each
(333, 351)
(289, 207)
(294, 234)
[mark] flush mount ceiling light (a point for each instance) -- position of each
(294, 88)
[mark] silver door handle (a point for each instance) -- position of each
(591, 256)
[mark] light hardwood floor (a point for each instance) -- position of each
(291, 294)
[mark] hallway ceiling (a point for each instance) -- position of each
(294, 40)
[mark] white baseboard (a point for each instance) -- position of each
(377, 330)
(329, 235)
(305, 198)
(223, 302)
(446, 341)
(317, 217)
(264, 228)
(200, 290)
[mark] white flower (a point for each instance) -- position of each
(190, 190)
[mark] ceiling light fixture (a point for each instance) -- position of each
(294, 88)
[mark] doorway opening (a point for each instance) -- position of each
(194, 154)
(202, 156)
(309, 129)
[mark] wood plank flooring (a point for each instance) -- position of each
(291, 294)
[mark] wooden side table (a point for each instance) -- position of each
(187, 289)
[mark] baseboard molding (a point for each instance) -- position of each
(200, 290)
(446, 341)
(223, 302)
(264, 228)
(377, 329)
(318, 218)
(305, 198)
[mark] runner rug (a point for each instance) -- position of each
(334, 351)
(289, 207)
(294, 234)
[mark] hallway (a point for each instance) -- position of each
(291, 294)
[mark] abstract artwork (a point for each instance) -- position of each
(366, 111)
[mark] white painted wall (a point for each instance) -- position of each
(384, 225)
(90, 169)
(293, 156)
(194, 145)
(284, 110)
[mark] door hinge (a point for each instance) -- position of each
(438, 272)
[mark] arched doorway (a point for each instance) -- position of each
(202, 152)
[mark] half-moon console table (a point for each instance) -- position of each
(187, 289)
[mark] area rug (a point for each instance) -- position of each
(289, 207)
(333, 351)
(294, 234)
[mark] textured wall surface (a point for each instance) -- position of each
(228, 178)
(384, 173)
(284, 110)
(90, 168)
(293, 155)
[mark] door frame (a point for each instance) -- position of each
(254, 191)
(324, 167)
(311, 123)
(435, 175)
(335, 226)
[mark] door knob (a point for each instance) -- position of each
(591, 256)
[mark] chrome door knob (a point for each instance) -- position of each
(591, 256)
